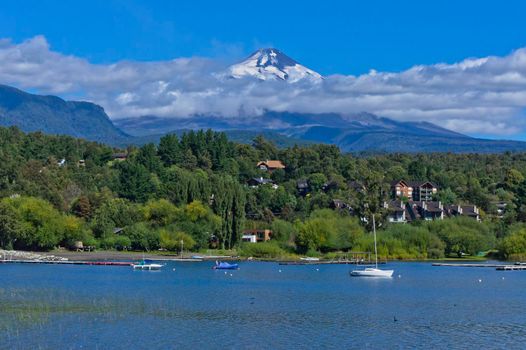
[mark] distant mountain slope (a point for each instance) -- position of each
(53, 115)
(352, 133)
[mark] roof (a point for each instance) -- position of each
(396, 206)
(356, 185)
(413, 212)
(435, 207)
(429, 206)
(470, 210)
(396, 182)
(261, 180)
(273, 164)
(420, 183)
(302, 183)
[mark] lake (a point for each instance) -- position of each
(260, 306)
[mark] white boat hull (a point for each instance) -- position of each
(372, 272)
(310, 259)
(147, 266)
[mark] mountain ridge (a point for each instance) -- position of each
(357, 132)
(53, 115)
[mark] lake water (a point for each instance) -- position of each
(259, 307)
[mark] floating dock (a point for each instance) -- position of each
(512, 268)
(498, 267)
(330, 262)
(68, 262)
(467, 265)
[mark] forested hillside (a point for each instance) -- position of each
(57, 190)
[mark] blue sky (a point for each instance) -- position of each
(458, 64)
(347, 37)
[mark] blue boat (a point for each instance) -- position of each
(225, 266)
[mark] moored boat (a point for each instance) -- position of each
(144, 266)
(372, 272)
(308, 258)
(225, 266)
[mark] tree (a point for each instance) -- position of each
(265, 148)
(172, 240)
(513, 179)
(514, 245)
(316, 181)
(82, 207)
(161, 212)
(169, 150)
(35, 225)
(447, 196)
(135, 182)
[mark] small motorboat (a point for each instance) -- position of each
(144, 266)
(372, 272)
(225, 266)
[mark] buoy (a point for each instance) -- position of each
(226, 272)
(279, 270)
(317, 269)
(502, 277)
(231, 275)
(480, 280)
(173, 269)
(399, 276)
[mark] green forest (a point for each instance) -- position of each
(58, 191)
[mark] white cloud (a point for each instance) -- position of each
(477, 96)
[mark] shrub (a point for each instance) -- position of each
(263, 250)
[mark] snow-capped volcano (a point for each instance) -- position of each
(266, 64)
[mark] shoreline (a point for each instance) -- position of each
(107, 255)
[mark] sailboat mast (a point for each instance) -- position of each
(375, 249)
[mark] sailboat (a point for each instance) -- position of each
(373, 271)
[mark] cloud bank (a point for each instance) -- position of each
(485, 96)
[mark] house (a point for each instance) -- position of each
(401, 189)
(465, 210)
(258, 181)
(356, 186)
(119, 156)
(430, 210)
(423, 190)
(413, 190)
(270, 165)
(329, 186)
(501, 209)
(81, 163)
(396, 211)
(256, 235)
(339, 204)
(303, 187)
(61, 162)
